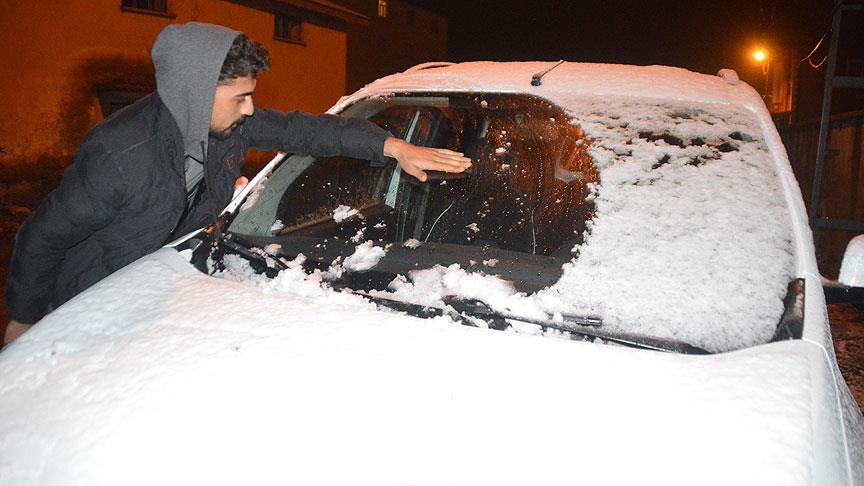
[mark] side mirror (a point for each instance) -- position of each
(850, 285)
(852, 268)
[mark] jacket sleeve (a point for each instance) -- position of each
(317, 135)
(88, 198)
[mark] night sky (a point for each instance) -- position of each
(703, 36)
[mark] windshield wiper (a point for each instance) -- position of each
(215, 246)
(455, 308)
(569, 323)
(581, 326)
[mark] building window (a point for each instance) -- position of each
(382, 8)
(159, 7)
(288, 28)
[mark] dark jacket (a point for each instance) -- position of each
(124, 194)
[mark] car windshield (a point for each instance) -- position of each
(519, 212)
(657, 218)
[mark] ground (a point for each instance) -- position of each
(847, 328)
(21, 192)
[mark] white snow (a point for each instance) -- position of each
(253, 196)
(272, 248)
(277, 226)
(358, 237)
(412, 243)
(163, 375)
(692, 239)
(690, 243)
(365, 256)
(344, 212)
(430, 286)
(565, 81)
(729, 75)
(852, 268)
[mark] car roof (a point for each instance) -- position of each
(567, 81)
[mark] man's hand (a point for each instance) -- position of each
(13, 330)
(415, 160)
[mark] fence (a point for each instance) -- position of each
(842, 192)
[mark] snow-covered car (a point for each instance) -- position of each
(621, 290)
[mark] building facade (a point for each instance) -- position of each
(399, 35)
(66, 65)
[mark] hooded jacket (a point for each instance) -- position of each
(125, 194)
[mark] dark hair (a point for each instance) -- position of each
(245, 58)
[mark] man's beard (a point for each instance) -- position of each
(225, 134)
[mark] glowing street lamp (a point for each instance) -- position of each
(760, 55)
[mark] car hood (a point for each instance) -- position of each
(178, 377)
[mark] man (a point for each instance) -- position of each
(166, 165)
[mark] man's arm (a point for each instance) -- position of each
(415, 160)
(87, 199)
(330, 135)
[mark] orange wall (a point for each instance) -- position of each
(55, 54)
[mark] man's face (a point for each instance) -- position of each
(232, 104)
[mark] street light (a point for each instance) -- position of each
(760, 55)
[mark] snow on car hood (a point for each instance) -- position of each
(160, 374)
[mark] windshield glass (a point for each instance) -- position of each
(659, 218)
(522, 207)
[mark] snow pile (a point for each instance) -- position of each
(218, 383)
(691, 239)
(293, 280)
(365, 256)
(344, 212)
(430, 286)
(566, 80)
(412, 243)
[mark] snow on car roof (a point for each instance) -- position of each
(569, 79)
(693, 235)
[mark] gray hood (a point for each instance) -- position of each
(188, 59)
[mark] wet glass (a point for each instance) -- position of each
(526, 192)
